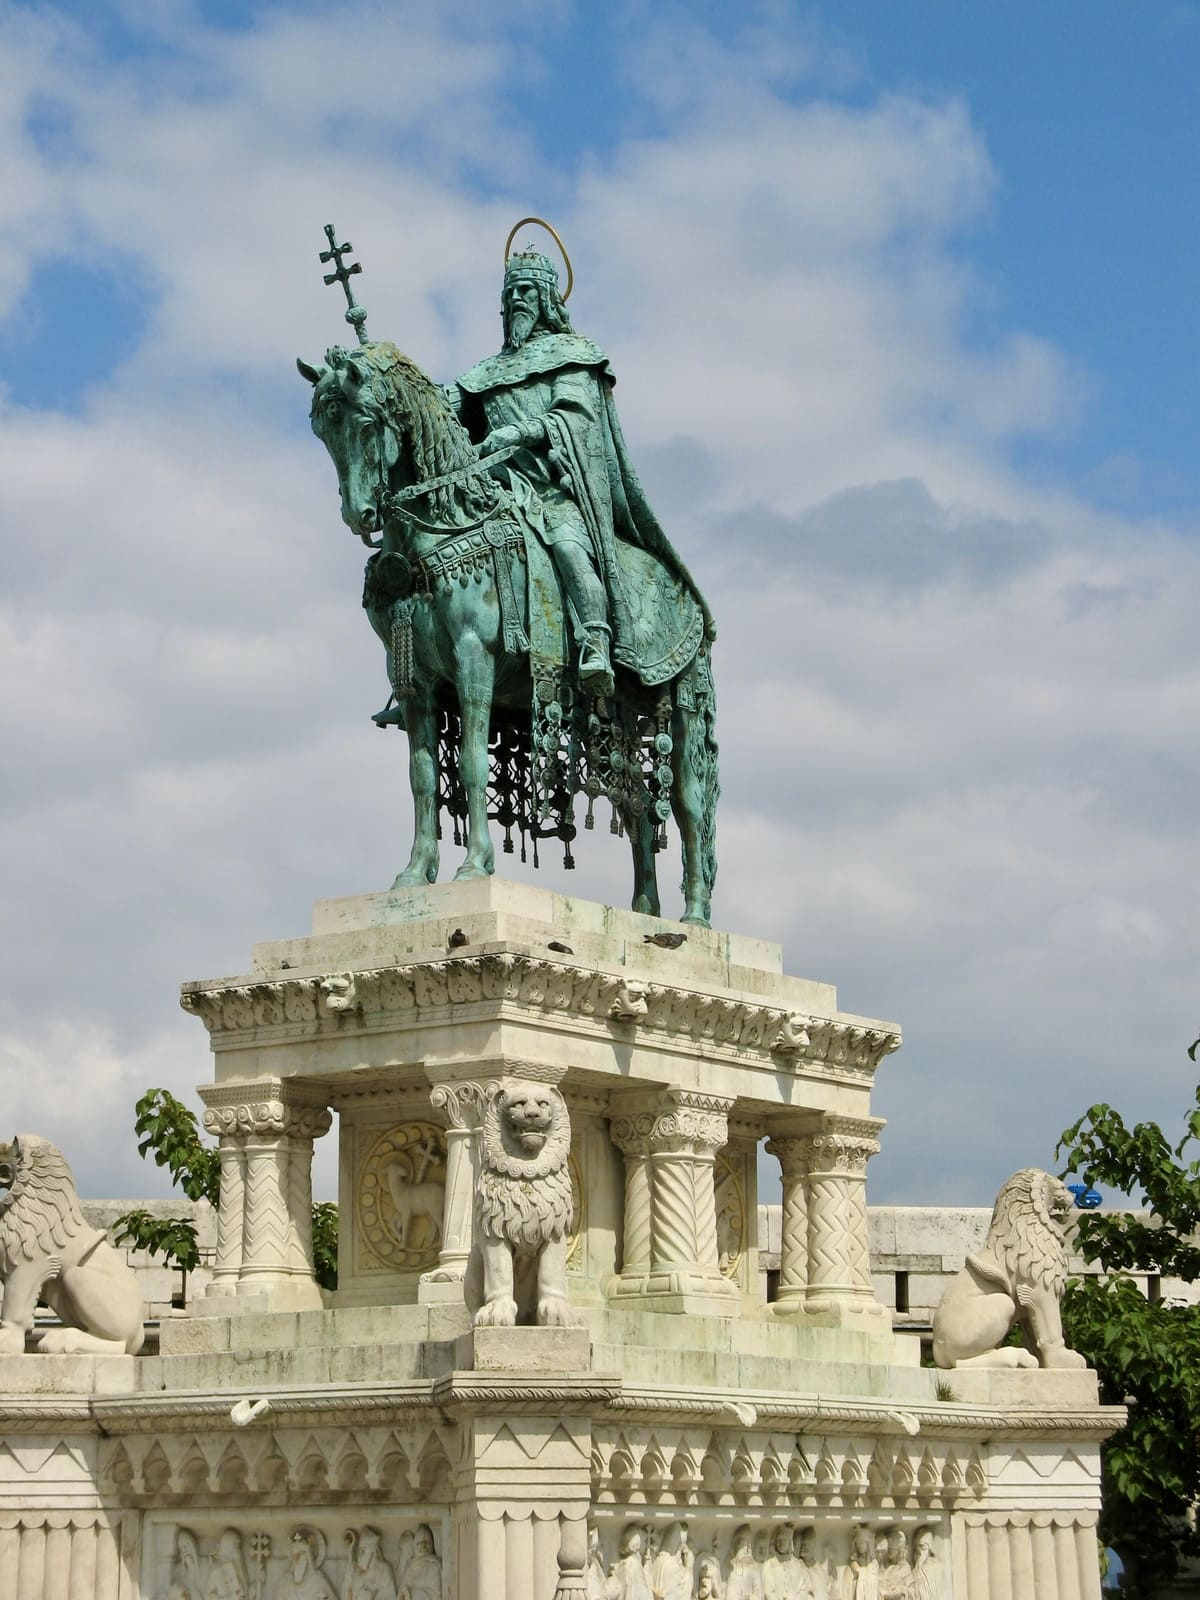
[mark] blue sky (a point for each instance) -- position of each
(901, 301)
(1089, 115)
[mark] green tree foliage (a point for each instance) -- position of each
(169, 1131)
(1146, 1352)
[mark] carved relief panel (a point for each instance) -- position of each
(740, 1558)
(392, 1195)
(347, 1555)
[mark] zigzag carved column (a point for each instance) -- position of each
(669, 1139)
(839, 1279)
(264, 1231)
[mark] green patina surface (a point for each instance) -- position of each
(530, 602)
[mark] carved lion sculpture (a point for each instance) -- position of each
(1018, 1276)
(523, 1210)
(48, 1251)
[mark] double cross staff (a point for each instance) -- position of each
(355, 315)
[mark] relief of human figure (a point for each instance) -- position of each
(780, 1569)
(671, 1569)
(708, 1578)
(305, 1578)
(814, 1570)
(187, 1583)
(895, 1577)
(422, 1576)
(368, 1575)
(860, 1579)
(227, 1570)
(745, 1574)
(927, 1580)
(594, 1569)
(627, 1580)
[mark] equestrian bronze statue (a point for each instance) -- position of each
(545, 643)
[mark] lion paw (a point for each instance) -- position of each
(12, 1340)
(496, 1314)
(1060, 1357)
(554, 1312)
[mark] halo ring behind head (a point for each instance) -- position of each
(553, 232)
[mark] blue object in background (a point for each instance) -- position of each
(1085, 1199)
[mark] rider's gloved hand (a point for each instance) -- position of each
(501, 439)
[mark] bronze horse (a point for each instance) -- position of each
(464, 599)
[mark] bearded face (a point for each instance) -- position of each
(521, 311)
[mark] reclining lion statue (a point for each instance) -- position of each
(517, 1270)
(1018, 1276)
(49, 1252)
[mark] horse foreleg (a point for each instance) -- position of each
(476, 676)
(689, 801)
(422, 777)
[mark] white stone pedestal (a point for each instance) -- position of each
(685, 1425)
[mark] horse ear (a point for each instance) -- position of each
(313, 374)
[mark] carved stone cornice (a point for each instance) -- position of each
(842, 1046)
(280, 1107)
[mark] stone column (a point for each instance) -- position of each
(825, 1267)
(264, 1228)
(839, 1278)
(793, 1248)
(669, 1139)
(463, 1105)
(229, 1217)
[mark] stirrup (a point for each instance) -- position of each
(392, 715)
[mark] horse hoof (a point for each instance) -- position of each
(472, 869)
(415, 877)
(696, 919)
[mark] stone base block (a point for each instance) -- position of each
(78, 1375)
(558, 1350)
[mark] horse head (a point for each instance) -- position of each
(355, 417)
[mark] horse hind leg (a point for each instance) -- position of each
(422, 776)
(693, 801)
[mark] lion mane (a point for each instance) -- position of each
(524, 1199)
(1025, 1243)
(40, 1212)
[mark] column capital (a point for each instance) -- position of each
(669, 1119)
(281, 1107)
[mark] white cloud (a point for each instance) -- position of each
(958, 712)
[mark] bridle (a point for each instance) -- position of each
(394, 502)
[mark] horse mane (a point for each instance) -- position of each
(438, 443)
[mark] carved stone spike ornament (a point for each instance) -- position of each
(1018, 1276)
(514, 545)
(517, 1271)
(49, 1252)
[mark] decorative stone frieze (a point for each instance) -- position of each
(725, 1022)
(671, 1259)
(266, 1128)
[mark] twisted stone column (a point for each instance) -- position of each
(264, 1227)
(229, 1217)
(669, 1139)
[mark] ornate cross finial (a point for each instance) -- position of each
(355, 315)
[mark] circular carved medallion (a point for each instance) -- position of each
(401, 1196)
